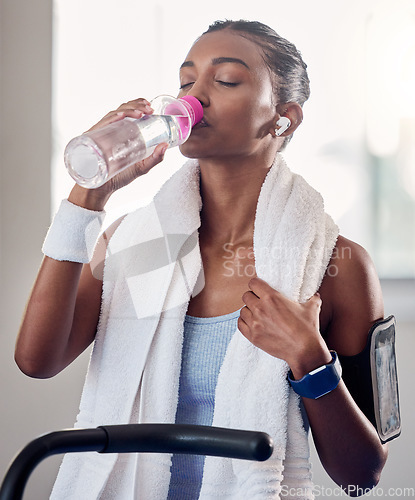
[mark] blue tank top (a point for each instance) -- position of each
(205, 341)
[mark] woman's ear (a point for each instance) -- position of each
(289, 117)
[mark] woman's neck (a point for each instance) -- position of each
(230, 192)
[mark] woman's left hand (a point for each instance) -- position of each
(283, 328)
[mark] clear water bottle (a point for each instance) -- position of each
(96, 156)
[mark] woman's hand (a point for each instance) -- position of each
(95, 199)
(283, 328)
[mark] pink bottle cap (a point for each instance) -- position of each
(196, 105)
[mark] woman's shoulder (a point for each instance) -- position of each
(351, 264)
(352, 297)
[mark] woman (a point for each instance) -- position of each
(246, 78)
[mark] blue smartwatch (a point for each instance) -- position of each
(320, 381)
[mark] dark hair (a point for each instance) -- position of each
(280, 55)
(291, 82)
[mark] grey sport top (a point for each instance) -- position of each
(204, 346)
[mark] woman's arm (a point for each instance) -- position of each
(351, 301)
(61, 316)
(63, 309)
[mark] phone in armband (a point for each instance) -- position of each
(385, 379)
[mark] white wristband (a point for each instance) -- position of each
(73, 233)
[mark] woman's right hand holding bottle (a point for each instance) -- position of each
(96, 198)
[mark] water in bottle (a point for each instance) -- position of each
(96, 156)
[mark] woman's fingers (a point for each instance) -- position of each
(245, 314)
(140, 168)
(133, 109)
(250, 299)
(260, 287)
(154, 159)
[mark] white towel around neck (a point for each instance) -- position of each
(153, 265)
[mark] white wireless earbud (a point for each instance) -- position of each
(284, 123)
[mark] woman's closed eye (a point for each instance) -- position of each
(221, 82)
(185, 85)
(228, 84)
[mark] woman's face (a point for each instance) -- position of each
(226, 72)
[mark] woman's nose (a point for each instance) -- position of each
(199, 90)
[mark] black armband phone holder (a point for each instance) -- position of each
(372, 380)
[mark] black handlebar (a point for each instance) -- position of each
(135, 438)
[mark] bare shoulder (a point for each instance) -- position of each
(352, 297)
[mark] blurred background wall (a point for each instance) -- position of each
(65, 64)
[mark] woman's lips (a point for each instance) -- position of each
(203, 123)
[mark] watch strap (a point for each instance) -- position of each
(320, 381)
